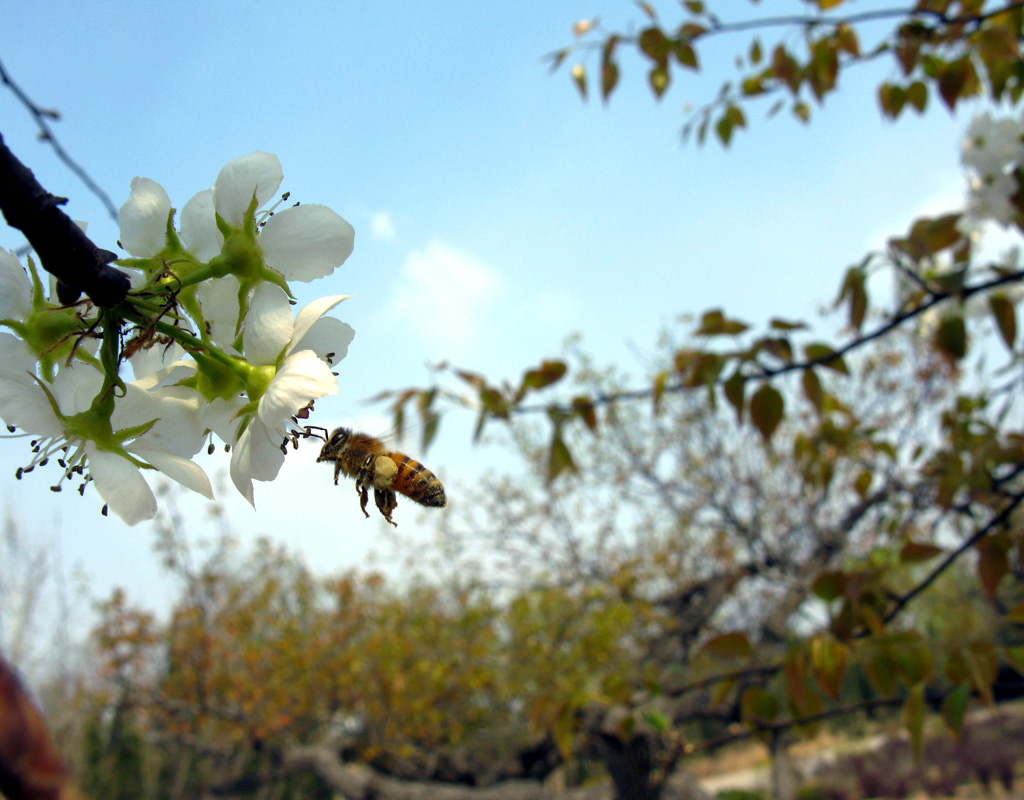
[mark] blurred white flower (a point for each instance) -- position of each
(991, 151)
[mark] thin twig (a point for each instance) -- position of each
(40, 115)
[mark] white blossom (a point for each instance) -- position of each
(301, 352)
(991, 151)
(60, 435)
(143, 218)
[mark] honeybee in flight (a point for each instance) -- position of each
(368, 460)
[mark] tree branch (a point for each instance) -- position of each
(63, 248)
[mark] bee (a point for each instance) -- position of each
(368, 460)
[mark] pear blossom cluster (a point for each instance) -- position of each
(992, 154)
(205, 345)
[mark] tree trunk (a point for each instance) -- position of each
(783, 771)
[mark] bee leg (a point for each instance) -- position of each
(366, 472)
(337, 471)
(386, 503)
(364, 497)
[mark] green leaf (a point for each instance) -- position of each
(755, 52)
(657, 720)
(982, 666)
(917, 96)
(993, 562)
(734, 644)
(715, 322)
(954, 705)
(579, 77)
(812, 388)
(862, 483)
(559, 459)
(732, 118)
(891, 97)
(829, 658)
(957, 80)
(757, 706)
(915, 553)
(830, 585)
(785, 325)
(430, 429)
(584, 409)
(1005, 315)
(826, 356)
(549, 372)
(609, 78)
(766, 410)
(951, 337)
(686, 55)
(655, 45)
(1015, 657)
(858, 297)
(913, 718)
(786, 69)
(658, 77)
(734, 391)
(659, 389)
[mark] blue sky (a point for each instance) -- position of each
(494, 212)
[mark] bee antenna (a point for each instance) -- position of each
(309, 432)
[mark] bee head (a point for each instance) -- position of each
(335, 444)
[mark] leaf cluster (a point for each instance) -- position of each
(955, 50)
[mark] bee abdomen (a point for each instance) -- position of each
(417, 482)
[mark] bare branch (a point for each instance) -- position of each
(40, 115)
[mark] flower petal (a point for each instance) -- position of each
(15, 289)
(121, 485)
(308, 316)
(76, 387)
(219, 301)
(23, 405)
(186, 472)
(266, 455)
(268, 325)
(300, 378)
(176, 411)
(306, 242)
(329, 338)
(255, 455)
(143, 218)
(220, 417)
(257, 173)
(199, 231)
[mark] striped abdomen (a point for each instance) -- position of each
(417, 482)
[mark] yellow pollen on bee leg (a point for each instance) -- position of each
(384, 472)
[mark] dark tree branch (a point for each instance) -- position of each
(63, 248)
(795, 366)
(999, 520)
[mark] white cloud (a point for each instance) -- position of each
(382, 227)
(447, 292)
